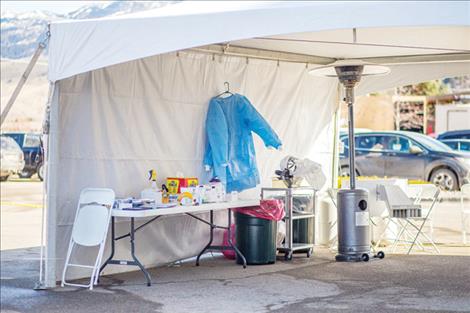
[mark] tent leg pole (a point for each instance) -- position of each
(40, 285)
(23, 79)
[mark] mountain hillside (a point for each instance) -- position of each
(28, 111)
(21, 32)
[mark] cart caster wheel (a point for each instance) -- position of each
(288, 256)
(197, 264)
(309, 252)
(365, 257)
(244, 266)
(380, 255)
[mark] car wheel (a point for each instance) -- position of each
(41, 172)
(4, 178)
(344, 171)
(24, 174)
(444, 179)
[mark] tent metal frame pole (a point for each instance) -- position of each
(271, 55)
(42, 45)
(40, 285)
(262, 54)
(52, 187)
(336, 141)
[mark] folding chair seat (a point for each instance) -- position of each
(90, 229)
(405, 214)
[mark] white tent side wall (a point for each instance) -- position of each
(116, 123)
(121, 107)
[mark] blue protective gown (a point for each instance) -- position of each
(230, 151)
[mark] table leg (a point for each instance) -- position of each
(112, 248)
(210, 238)
(229, 233)
(142, 268)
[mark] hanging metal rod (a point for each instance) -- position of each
(360, 44)
(263, 54)
(423, 58)
(320, 60)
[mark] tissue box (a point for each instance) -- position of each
(174, 184)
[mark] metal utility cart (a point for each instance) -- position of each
(300, 207)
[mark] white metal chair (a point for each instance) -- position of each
(465, 210)
(408, 214)
(425, 192)
(90, 229)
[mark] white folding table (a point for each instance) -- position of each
(177, 210)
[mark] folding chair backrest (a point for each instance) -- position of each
(428, 192)
(414, 191)
(93, 214)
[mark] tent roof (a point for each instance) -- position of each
(310, 32)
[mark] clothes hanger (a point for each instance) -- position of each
(227, 90)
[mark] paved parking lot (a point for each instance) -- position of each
(399, 283)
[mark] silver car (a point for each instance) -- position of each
(12, 159)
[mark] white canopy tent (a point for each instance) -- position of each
(131, 92)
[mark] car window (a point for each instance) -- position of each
(344, 145)
(465, 146)
(31, 141)
(457, 136)
(398, 144)
(454, 145)
(370, 142)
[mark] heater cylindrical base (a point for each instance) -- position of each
(353, 225)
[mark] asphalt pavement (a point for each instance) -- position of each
(398, 283)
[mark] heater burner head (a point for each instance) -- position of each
(349, 75)
(349, 72)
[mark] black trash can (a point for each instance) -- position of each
(256, 239)
(302, 229)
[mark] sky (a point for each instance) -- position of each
(59, 7)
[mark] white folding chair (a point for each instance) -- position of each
(407, 214)
(90, 229)
(465, 210)
(426, 192)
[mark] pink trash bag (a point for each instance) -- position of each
(269, 209)
(229, 254)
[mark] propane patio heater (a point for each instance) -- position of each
(353, 213)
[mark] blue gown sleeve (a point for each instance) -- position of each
(208, 154)
(255, 122)
(217, 140)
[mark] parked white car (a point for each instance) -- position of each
(12, 159)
